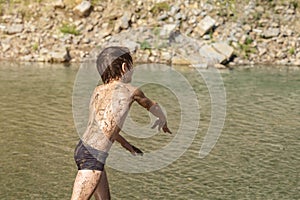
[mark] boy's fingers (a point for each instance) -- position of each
(159, 127)
(137, 150)
(167, 130)
(155, 124)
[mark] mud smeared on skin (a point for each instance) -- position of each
(109, 106)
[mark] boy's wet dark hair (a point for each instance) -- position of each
(110, 60)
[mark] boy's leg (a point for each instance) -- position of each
(85, 184)
(102, 190)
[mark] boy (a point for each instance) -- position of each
(108, 109)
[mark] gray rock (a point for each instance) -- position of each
(224, 49)
(14, 29)
(296, 62)
(257, 31)
(174, 9)
(279, 9)
(27, 58)
(59, 4)
(166, 56)
(264, 22)
(89, 27)
(179, 60)
(206, 37)
(192, 20)
(243, 39)
(131, 45)
(260, 9)
(125, 20)
(18, 21)
(167, 29)
(211, 55)
(274, 24)
(188, 31)
(76, 40)
(203, 14)
(61, 55)
(162, 17)
(287, 32)
(270, 33)
(219, 66)
(86, 41)
(205, 25)
(44, 51)
(196, 12)
(290, 12)
(83, 9)
(261, 50)
(5, 47)
(2, 27)
(247, 28)
(178, 16)
(24, 51)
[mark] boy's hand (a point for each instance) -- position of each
(136, 151)
(161, 124)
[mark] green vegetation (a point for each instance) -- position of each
(69, 29)
(292, 51)
(248, 41)
(35, 46)
(257, 16)
(145, 45)
(295, 4)
(23, 2)
(227, 7)
(156, 30)
(246, 48)
(159, 7)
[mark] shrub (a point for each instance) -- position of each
(158, 7)
(145, 45)
(69, 29)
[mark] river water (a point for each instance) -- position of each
(256, 156)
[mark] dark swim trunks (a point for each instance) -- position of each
(87, 157)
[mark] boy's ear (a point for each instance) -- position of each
(124, 67)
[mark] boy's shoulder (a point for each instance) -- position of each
(130, 88)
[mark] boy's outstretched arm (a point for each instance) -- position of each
(154, 108)
(132, 149)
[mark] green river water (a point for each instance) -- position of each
(257, 155)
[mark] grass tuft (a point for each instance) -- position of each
(69, 29)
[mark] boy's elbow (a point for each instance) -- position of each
(151, 106)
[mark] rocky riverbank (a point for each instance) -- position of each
(201, 33)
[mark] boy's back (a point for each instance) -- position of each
(109, 106)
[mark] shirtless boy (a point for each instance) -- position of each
(109, 106)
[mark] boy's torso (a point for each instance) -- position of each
(109, 106)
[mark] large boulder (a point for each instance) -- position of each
(224, 49)
(59, 55)
(206, 24)
(211, 55)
